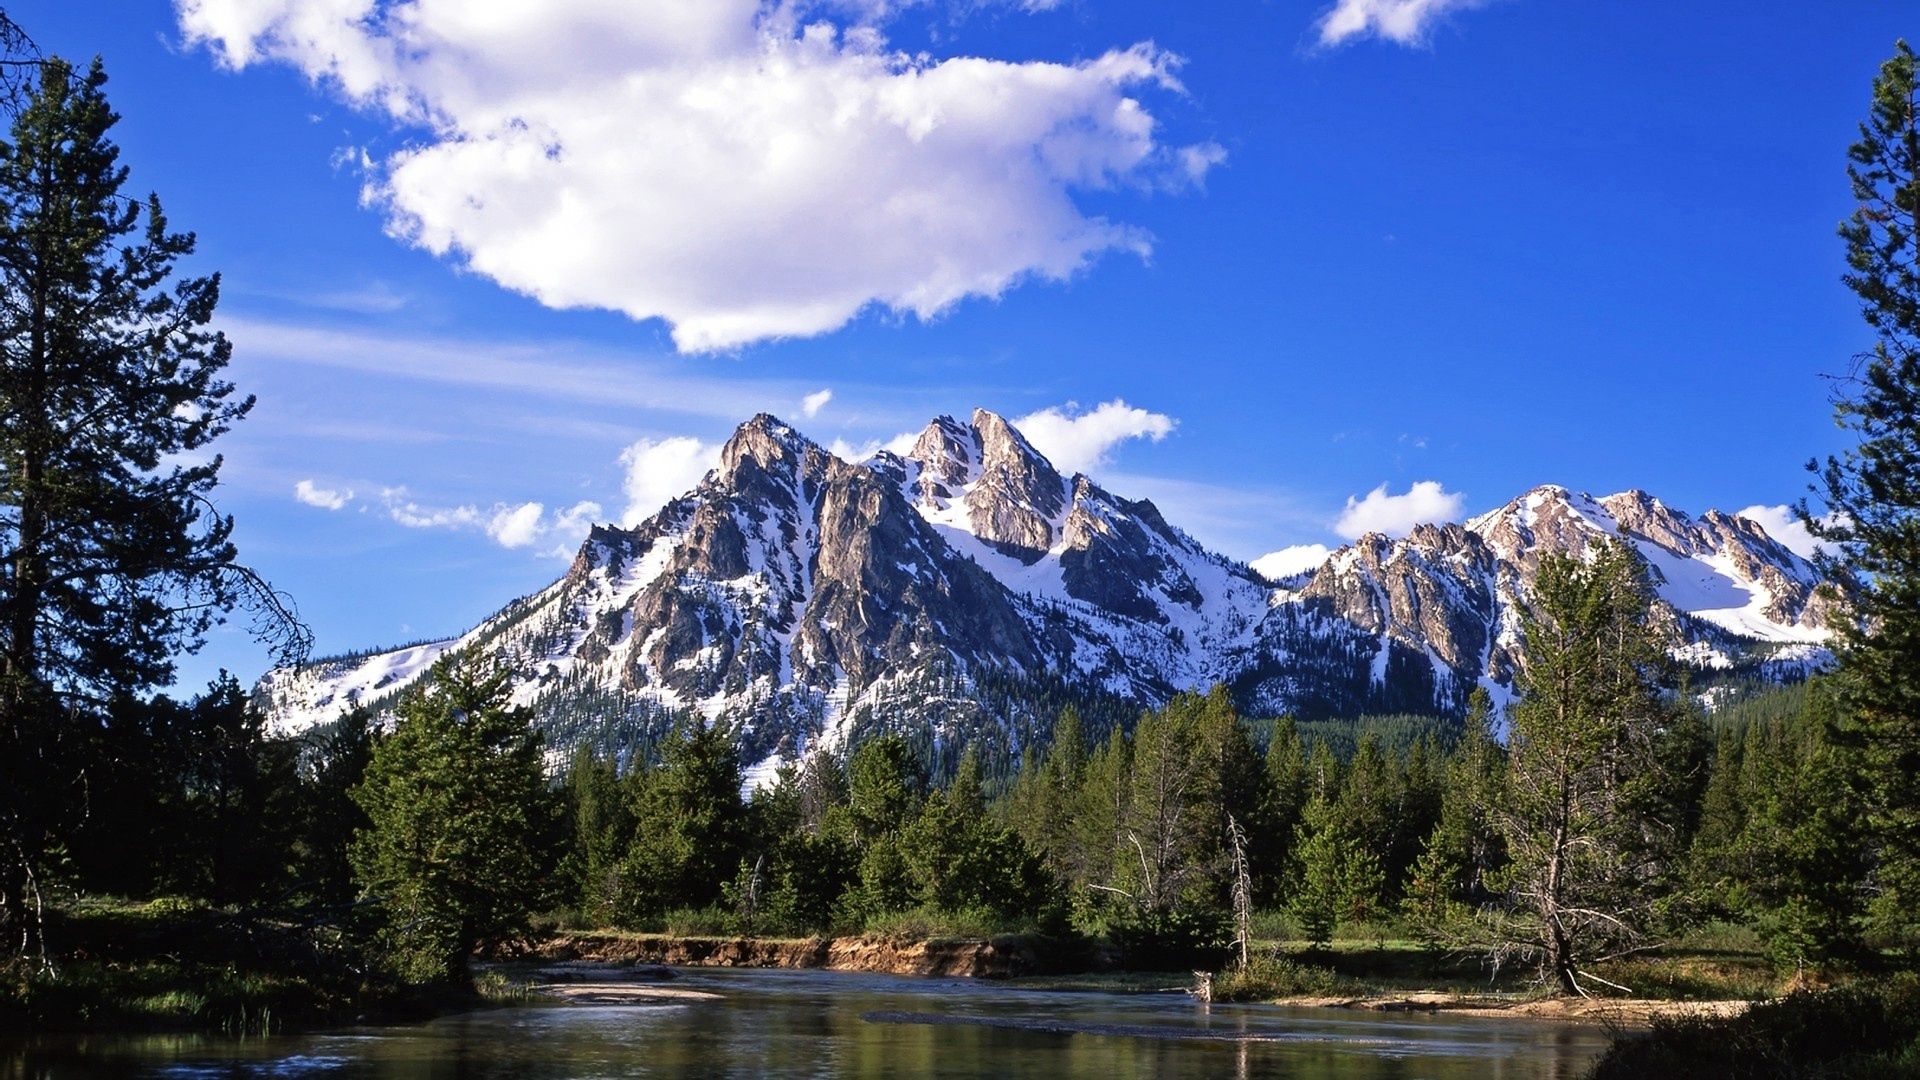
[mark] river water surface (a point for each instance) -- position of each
(808, 1023)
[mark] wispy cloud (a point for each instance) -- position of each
(551, 371)
(325, 498)
(511, 525)
(1239, 521)
(1404, 22)
(811, 405)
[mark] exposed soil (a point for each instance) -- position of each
(997, 958)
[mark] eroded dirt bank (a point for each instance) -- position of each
(997, 958)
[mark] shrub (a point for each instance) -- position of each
(1862, 1030)
(1270, 975)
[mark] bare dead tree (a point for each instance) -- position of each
(1242, 892)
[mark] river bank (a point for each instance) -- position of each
(1003, 957)
(1082, 966)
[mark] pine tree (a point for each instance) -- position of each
(1872, 492)
(689, 824)
(1335, 879)
(1286, 765)
(112, 559)
(601, 816)
(885, 782)
(1098, 813)
(1369, 801)
(458, 848)
(1168, 834)
(334, 763)
(960, 859)
(1587, 780)
(1452, 876)
(1800, 860)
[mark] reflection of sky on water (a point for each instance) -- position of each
(807, 1024)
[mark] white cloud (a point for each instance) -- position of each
(1239, 521)
(811, 405)
(743, 169)
(1078, 442)
(901, 444)
(1287, 562)
(1396, 515)
(325, 498)
(659, 471)
(1405, 22)
(1784, 525)
(413, 515)
(516, 526)
(511, 526)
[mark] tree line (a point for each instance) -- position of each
(1602, 813)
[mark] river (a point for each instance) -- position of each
(811, 1023)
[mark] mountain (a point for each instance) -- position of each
(967, 588)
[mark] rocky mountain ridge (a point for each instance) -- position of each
(811, 600)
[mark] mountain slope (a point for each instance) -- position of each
(810, 600)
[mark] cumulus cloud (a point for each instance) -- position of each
(1405, 22)
(1078, 442)
(1396, 515)
(811, 405)
(1289, 561)
(659, 471)
(516, 526)
(325, 498)
(901, 444)
(1784, 525)
(742, 169)
(509, 525)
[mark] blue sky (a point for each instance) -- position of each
(1450, 248)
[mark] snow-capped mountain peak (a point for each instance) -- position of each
(808, 600)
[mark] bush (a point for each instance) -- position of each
(1172, 941)
(1862, 1030)
(1270, 975)
(698, 922)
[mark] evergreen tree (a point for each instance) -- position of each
(1872, 492)
(189, 798)
(1099, 811)
(111, 558)
(885, 783)
(961, 860)
(600, 814)
(1587, 780)
(460, 825)
(1336, 878)
(1050, 826)
(1286, 765)
(1167, 836)
(1454, 873)
(1799, 861)
(334, 763)
(242, 793)
(689, 824)
(1369, 802)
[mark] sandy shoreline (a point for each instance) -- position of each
(1633, 1012)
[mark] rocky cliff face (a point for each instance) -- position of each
(810, 600)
